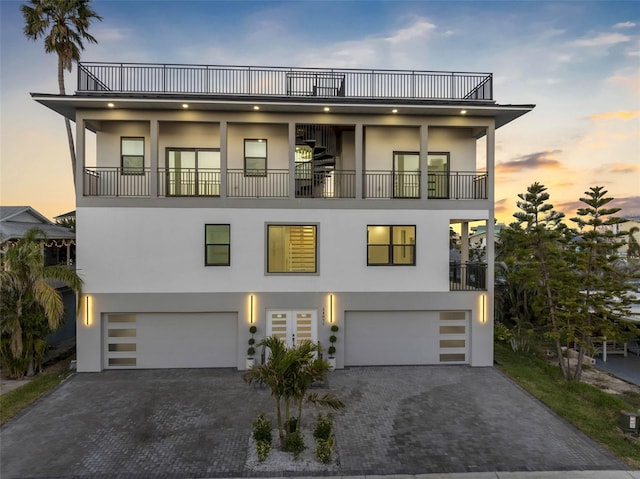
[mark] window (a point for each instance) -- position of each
(406, 174)
(217, 245)
(391, 245)
(438, 165)
(193, 172)
(132, 156)
(255, 157)
(291, 249)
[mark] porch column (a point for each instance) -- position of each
(223, 159)
(490, 250)
(424, 163)
(292, 159)
(359, 153)
(464, 242)
(78, 174)
(154, 130)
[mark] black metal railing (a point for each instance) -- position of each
(390, 184)
(467, 276)
(283, 81)
(116, 181)
(331, 184)
(188, 182)
(457, 185)
(251, 184)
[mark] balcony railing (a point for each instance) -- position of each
(188, 182)
(467, 276)
(265, 184)
(116, 181)
(283, 81)
(331, 184)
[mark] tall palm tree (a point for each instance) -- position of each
(63, 24)
(27, 296)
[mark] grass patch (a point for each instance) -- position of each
(13, 402)
(594, 412)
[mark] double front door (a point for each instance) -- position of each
(293, 326)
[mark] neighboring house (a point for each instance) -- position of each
(288, 198)
(478, 236)
(59, 249)
(625, 228)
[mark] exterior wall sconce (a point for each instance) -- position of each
(483, 308)
(331, 308)
(251, 316)
(87, 309)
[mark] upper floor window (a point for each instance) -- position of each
(292, 249)
(132, 156)
(193, 172)
(391, 245)
(255, 157)
(217, 245)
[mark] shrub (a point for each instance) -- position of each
(294, 443)
(331, 350)
(251, 351)
(291, 424)
(262, 428)
(253, 329)
(501, 332)
(334, 328)
(324, 426)
(332, 339)
(263, 448)
(252, 341)
(324, 449)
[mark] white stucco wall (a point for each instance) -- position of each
(130, 250)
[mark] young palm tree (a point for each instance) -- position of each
(27, 296)
(289, 373)
(63, 24)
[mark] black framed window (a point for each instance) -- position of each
(217, 245)
(391, 245)
(132, 155)
(255, 157)
(292, 249)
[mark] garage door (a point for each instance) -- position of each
(171, 340)
(375, 338)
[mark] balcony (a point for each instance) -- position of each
(274, 183)
(467, 276)
(283, 82)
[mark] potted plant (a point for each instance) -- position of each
(251, 351)
(332, 349)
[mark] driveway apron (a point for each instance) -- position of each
(196, 423)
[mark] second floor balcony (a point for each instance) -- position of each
(276, 183)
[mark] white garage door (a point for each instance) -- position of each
(376, 338)
(171, 340)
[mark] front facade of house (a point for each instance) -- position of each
(287, 198)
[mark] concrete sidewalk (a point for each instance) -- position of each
(403, 422)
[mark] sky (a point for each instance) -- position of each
(578, 62)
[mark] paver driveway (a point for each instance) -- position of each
(196, 423)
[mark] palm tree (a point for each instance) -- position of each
(27, 297)
(289, 373)
(63, 24)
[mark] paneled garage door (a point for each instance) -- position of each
(376, 338)
(170, 340)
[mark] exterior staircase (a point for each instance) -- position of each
(312, 174)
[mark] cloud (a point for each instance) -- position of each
(616, 115)
(502, 206)
(624, 25)
(602, 40)
(420, 28)
(631, 82)
(542, 159)
(623, 168)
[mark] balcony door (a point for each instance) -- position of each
(406, 174)
(438, 168)
(193, 172)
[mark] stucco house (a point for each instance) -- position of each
(291, 199)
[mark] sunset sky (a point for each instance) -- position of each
(579, 62)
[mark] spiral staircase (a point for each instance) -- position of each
(312, 173)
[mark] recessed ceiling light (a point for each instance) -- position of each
(184, 105)
(110, 105)
(395, 110)
(326, 108)
(463, 112)
(256, 107)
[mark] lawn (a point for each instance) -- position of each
(591, 410)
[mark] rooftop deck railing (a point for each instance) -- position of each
(283, 81)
